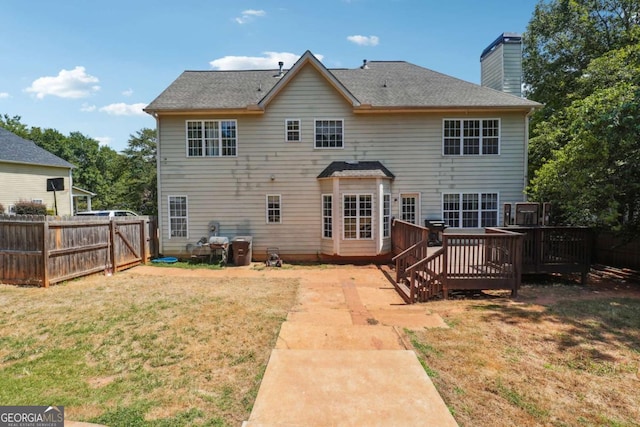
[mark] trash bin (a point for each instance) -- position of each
(436, 229)
(241, 249)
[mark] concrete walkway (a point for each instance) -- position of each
(341, 359)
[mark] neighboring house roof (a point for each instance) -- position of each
(15, 149)
(356, 169)
(381, 84)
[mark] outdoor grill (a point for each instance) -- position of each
(211, 246)
(436, 229)
(219, 244)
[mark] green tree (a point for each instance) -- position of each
(562, 39)
(140, 160)
(593, 173)
(564, 36)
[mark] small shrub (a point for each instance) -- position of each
(30, 208)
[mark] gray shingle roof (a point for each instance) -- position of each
(19, 150)
(384, 84)
(356, 169)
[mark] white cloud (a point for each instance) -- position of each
(4, 95)
(364, 40)
(248, 15)
(74, 83)
(268, 61)
(122, 109)
(103, 140)
(128, 92)
(87, 108)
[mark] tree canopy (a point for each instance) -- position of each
(582, 60)
(124, 180)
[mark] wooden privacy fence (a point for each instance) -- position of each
(47, 250)
(616, 252)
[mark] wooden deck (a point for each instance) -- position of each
(495, 259)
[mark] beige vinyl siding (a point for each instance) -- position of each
(232, 190)
(512, 59)
(29, 182)
(491, 74)
(502, 69)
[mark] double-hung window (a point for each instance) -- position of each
(211, 138)
(329, 134)
(470, 210)
(274, 209)
(470, 137)
(327, 216)
(177, 216)
(358, 216)
(292, 130)
(386, 215)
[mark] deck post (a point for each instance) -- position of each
(445, 266)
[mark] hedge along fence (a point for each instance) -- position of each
(37, 250)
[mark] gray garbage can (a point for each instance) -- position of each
(241, 249)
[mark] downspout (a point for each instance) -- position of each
(526, 153)
(158, 183)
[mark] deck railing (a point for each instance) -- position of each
(482, 261)
(405, 235)
(556, 250)
(425, 278)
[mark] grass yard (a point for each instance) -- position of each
(560, 355)
(133, 350)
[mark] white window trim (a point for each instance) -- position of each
(386, 220)
(418, 195)
(481, 138)
(314, 134)
(202, 121)
(323, 216)
(479, 194)
(286, 130)
(186, 201)
(373, 216)
(266, 200)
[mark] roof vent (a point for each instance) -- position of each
(364, 65)
(280, 71)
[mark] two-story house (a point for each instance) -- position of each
(317, 161)
(32, 174)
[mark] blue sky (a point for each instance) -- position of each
(91, 66)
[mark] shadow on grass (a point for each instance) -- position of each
(586, 321)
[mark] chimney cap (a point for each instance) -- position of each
(364, 65)
(502, 38)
